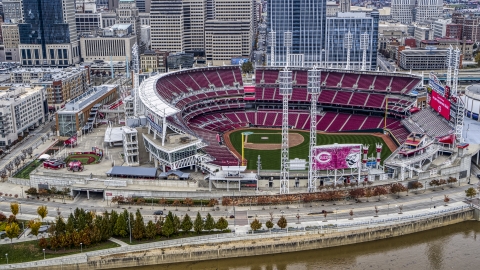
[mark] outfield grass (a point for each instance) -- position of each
(271, 158)
(83, 158)
(31, 251)
(272, 138)
(25, 172)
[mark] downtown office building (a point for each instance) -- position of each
(48, 35)
(316, 38)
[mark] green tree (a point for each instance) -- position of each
(42, 211)
(12, 230)
(222, 224)
(255, 225)
(168, 227)
(269, 224)
(14, 207)
(138, 230)
(34, 226)
(150, 230)
(159, 225)
(247, 67)
(198, 224)
(113, 220)
(471, 192)
(282, 222)
(187, 224)
(60, 226)
(121, 227)
(177, 223)
(105, 227)
(70, 226)
(209, 223)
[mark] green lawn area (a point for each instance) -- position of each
(163, 238)
(25, 172)
(30, 251)
(272, 138)
(271, 158)
(84, 158)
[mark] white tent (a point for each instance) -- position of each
(44, 157)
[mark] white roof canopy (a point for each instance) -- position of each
(234, 168)
(152, 100)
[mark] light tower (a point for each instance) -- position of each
(365, 155)
(285, 90)
(314, 77)
(347, 44)
(456, 99)
(136, 84)
(379, 153)
(450, 56)
(364, 47)
(287, 42)
(273, 42)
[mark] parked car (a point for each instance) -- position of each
(158, 213)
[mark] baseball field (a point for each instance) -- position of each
(267, 144)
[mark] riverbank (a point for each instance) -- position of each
(261, 244)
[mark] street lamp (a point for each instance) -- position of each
(130, 228)
(81, 247)
(6, 255)
(44, 254)
(431, 199)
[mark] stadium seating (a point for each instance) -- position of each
(349, 80)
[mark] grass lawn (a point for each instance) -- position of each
(84, 158)
(163, 238)
(30, 251)
(272, 138)
(271, 158)
(25, 172)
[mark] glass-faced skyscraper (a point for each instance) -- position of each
(306, 20)
(48, 36)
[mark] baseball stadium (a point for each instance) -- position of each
(230, 124)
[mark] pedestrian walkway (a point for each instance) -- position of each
(121, 243)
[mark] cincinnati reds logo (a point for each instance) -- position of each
(324, 157)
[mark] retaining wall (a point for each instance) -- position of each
(261, 245)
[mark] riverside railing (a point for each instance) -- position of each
(328, 228)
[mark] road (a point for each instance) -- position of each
(33, 140)
(425, 199)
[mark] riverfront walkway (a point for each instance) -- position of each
(242, 233)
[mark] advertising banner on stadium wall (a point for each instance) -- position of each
(337, 156)
(440, 104)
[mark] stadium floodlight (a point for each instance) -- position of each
(364, 47)
(314, 78)
(348, 44)
(286, 92)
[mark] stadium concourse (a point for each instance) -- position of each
(207, 102)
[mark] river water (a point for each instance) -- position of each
(451, 247)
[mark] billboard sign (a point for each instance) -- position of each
(440, 104)
(435, 84)
(337, 156)
(238, 61)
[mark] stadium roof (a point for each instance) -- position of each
(152, 100)
(177, 173)
(132, 171)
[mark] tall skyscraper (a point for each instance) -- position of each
(355, 23)
(166, 21)
(306, 21)
(428, 9)
(408, 11)
(345, 5)
(48, 35)
(127, 13)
